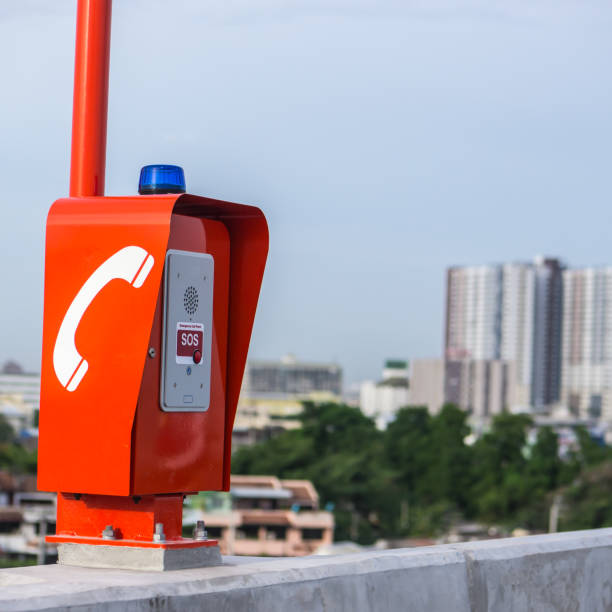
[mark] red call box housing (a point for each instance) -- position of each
(105, 444)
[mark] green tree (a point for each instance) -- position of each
(7, 433)
(431, 463)
(450, 472)
(586, 503)
(500, 486)
(409, 451)
(591, 451)
(545, 466)
(340, 451)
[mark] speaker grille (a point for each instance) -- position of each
(191, 300)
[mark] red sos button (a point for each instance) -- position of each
(189, 342)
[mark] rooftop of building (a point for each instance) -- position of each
(291, 362)
(271, 487)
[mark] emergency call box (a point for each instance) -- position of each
(187, 331)
(149, 307)
(149, 303)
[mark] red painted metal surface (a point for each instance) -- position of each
(178, 451)
(248, 233)
(132, 519)
(87, 442)
(182, 543)
(81, 519)
(103, 438)
(85, 434)
(90, 104)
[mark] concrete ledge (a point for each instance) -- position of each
(560, 572)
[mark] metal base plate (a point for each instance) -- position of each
(137, 557)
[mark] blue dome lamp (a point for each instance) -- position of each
(161, 178)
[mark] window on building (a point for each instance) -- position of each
(312, 534)
(595, 406)
(574, 403)
(247, 532)
(9, 526)
(50, 528)
(247, 503)
(214, 533)
(276, 532)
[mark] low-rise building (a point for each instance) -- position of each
(19, 396)
(25, 520)
(16, 413)
(427, 384)
(381, 400)
(273, 393)
(482, 387)
(263, 515)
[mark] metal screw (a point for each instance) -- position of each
(199, 531)
(108, 533)
(159, 535)
(152, 352)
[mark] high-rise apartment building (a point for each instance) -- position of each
(509, 315)
(587, 342)
(517, 320)
(473, 301)
(547, 333)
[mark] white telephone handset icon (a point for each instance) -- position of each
(131, 264)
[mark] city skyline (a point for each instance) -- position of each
(509, 275)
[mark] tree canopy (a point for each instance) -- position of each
(419, 475)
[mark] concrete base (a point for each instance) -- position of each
(138, 558)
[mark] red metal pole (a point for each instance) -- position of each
(90, 105)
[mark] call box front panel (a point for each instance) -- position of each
(187, 332)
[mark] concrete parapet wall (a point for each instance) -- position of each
(561, 572)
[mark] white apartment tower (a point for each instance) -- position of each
(517, 318)
(505, 314)
(587, 342)
(472, 312)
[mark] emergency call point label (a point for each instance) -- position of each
(189, 339)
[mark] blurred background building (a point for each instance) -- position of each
(587, 343)
(381, 400)
(262, 515)
(481, 386)
(525, 337)
(427, 383)
(273, 392)
(503, 336)
(19, 399)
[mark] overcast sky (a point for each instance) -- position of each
(385, 140)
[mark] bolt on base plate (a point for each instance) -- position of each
(137, 557)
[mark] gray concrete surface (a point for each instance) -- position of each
(567, 572)
(138, 557)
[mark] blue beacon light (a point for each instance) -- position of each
(161, 178)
